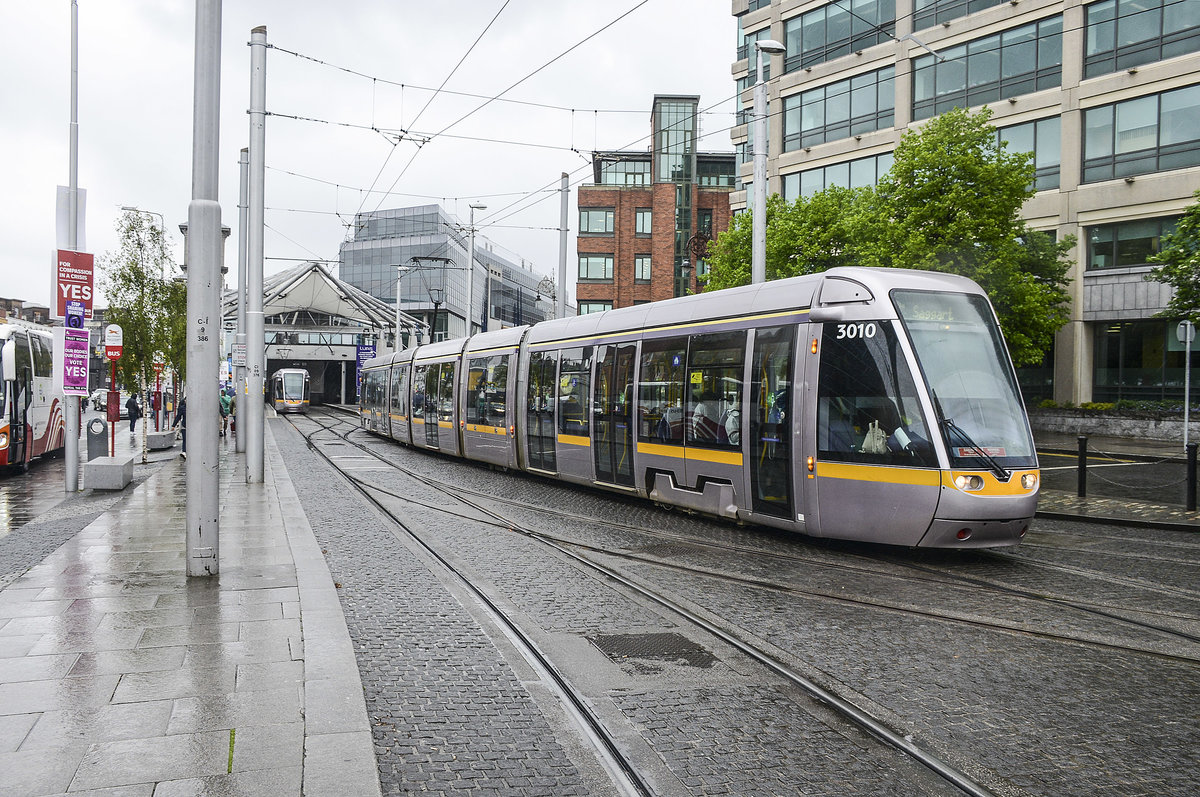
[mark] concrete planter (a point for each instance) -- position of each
(1142, 425)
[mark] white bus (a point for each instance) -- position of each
(32, 423)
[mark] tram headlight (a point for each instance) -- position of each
(1029, 481)
(969, 483)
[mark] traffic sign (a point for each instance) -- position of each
(1185, 332)
(114, 339)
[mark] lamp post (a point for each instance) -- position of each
(400, 272)
(758, 252)
(436, 295)
(471, 267)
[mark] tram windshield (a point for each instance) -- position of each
(293, 386)
(965, 363)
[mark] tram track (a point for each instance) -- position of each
(825, 696)
(861, 565)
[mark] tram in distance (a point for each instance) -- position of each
(289, 390)
(869, 404)
(32, 423)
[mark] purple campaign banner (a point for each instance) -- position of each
(76, 346)
(363, 354)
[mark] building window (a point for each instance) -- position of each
(935, 12)
(715, 173)
(1125, 33)
(596, 221)
(704, 222)
(1142, 135)
(641, 268)
(746, 50)
(1044, 139)
(596, 267)
(850, 107)
(594, 307)
(1128, 244)
(641, 221)
(837, 29)
(859, 173)
(1008, 64)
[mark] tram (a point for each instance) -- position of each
(289, 390)
(32, 423)
(865, 404)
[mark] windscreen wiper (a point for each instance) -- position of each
(995, 467)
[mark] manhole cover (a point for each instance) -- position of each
(664, 647)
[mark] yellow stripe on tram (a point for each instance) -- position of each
(918, 477)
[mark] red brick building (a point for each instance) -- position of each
(644, 223)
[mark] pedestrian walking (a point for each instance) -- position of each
(181, 422)
(225, 404)
(135, 412)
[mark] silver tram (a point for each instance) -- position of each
(867, 404)
(289, 390)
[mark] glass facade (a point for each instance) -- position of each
(1126, 33)
(1141, 360)
(617, 171)
(1044, 139)
(1008, 64)
(675, 129)
(1142, 135)
(1129, 244)
(846, 108)
(837, 29)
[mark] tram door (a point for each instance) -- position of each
(612, 419)
(541, 390)
(771, 421)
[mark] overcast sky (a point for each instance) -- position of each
(135, 113)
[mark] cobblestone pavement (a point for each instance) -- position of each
(722, 745)
(1111, 710)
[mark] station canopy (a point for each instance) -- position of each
(309, 296)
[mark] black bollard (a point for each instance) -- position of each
(1082, 466)
(1191, 477)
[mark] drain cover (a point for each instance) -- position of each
(664, 647)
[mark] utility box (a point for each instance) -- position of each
(97, 438)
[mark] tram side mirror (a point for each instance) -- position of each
(9, 358)
(820, 315)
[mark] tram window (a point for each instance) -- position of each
(867, 407)
(398, 407)
(446, 393)
(714, 371)
(418, 398)
(660, 390)
(487, 384)
(573, 390)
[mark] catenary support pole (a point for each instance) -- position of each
(758, 218)
(204, 246)
(255, 342)
(71, 403)
(560, 300)
(239, 374)
(1191, 476)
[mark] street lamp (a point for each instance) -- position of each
(471, 268)
(758, 221)
(436, 295)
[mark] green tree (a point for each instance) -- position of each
(137, 281)
(1179, 257)
(951, 202)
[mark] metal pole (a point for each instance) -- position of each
(560, 301)
(203, 298)
(71, 403)
(1191, 476)
(1082, 483)
(239, 378)
(470, 271)
(255, 342)
(758, 219)
(1187, 379)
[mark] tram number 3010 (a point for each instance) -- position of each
(859, 330)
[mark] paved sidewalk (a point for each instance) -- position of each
(118, 673)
